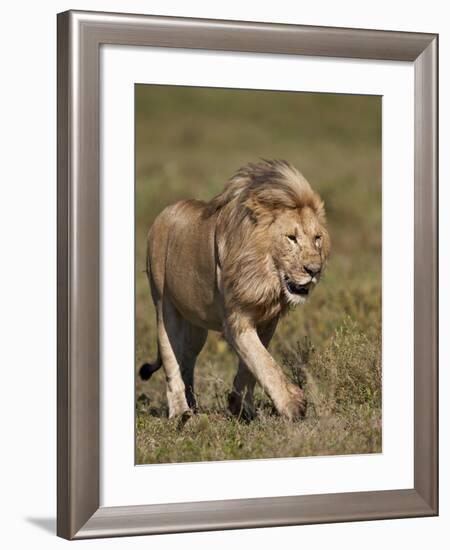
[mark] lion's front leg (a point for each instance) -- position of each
(288, 398)
(240, 401)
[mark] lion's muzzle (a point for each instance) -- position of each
(296, 288)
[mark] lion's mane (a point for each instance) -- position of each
(245, 209)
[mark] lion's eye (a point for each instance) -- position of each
(292, 238)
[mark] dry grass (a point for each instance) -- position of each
(188, 142)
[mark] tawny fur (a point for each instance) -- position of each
(230, 265)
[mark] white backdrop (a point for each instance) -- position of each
(27, 299)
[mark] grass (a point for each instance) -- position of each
(188, 142)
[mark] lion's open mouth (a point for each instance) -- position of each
(295, 288)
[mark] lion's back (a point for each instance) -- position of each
(169, 229)
(181, 256)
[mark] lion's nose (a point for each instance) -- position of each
(312, 269)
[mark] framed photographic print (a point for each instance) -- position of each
(247, 274)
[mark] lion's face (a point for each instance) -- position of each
(300, 247)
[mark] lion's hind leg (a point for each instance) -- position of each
(170, 326)
(193, 341)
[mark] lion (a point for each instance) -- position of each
(235, 265)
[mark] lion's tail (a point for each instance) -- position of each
(147, 369)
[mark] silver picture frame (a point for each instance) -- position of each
(80, 36)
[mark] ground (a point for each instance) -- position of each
(188, 142)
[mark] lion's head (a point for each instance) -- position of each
(299, 246)
(272, 238)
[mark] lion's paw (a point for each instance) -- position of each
(296, 406)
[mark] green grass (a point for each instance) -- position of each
(188, 142)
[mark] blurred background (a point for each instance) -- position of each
(189, 141)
